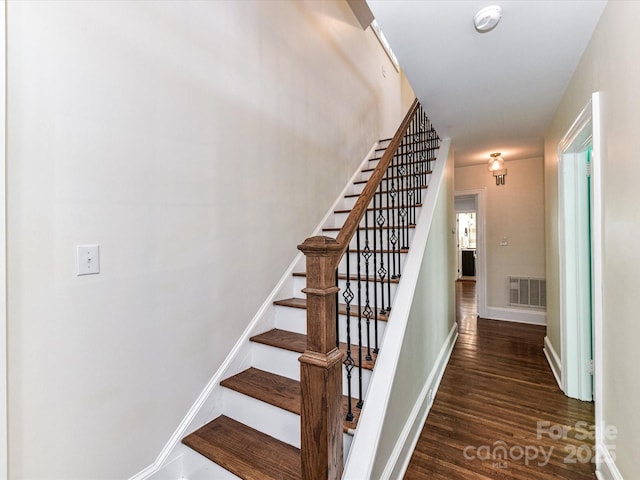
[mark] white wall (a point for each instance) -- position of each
(515, 211)
(198, 143)
(431, 318)
(609, 65)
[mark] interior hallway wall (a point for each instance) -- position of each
(197, 143)
(515, 211)
(609, 65)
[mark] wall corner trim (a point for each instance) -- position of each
(554, 360)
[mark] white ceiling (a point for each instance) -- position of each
(495, 91)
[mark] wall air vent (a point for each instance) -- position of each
(528, 292)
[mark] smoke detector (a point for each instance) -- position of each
(488, 18)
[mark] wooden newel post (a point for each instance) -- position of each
(321, 366)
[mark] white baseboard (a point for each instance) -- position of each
(606, 468)
(519, 315)
(554, 360)
(401, 455)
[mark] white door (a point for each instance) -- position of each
(575, 273)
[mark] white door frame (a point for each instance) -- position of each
(586, 125)
(3, 248)
(481, 255)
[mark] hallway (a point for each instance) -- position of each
(499, 413)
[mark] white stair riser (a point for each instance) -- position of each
(199, 467)
(338, 219)
(398, 184)
(291, 319)
(365, 175)
(274, 421)
(366, 377)
(387, 243)
(347, 202)
(285, 363)
(276, 360)
(294, 320)
(380, 260)
(404, 238)
(300, 283)
(356, 189)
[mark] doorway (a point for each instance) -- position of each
(466, 244)
(580, 236)
(470, 258)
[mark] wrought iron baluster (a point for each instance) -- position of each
(393, 238)
(382, 272)
(348, 361)
(359, 277)
(388, 229)
(402, 210)
(411, 166)
(367, 312)
(375, 270)
(337, 312)
(400, 180)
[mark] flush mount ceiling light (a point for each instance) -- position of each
(496, 162)
(496, 167)
(487, 19)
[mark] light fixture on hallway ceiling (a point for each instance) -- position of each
(487, 18)
(496, 167)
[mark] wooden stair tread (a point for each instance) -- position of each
(343, 276)
(297, 342)
(274, 389)
(302, 303)
(277, 390)
(246, 452)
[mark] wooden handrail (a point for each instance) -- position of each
(361, 205)
(321, 364)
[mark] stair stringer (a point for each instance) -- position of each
(208, 405)
(366, 440)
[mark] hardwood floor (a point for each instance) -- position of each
(499, 413)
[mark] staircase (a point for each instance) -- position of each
(258, 434)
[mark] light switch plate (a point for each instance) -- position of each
(87, 259)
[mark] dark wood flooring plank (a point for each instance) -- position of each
(495, 390)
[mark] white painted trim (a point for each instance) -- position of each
(401, 455)
(4, 431)
(597, 261)
(518, 315)
(481, 249)
(167, 454)
(606, 468)
(575, 383)
(554, 360)
(366, 439)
